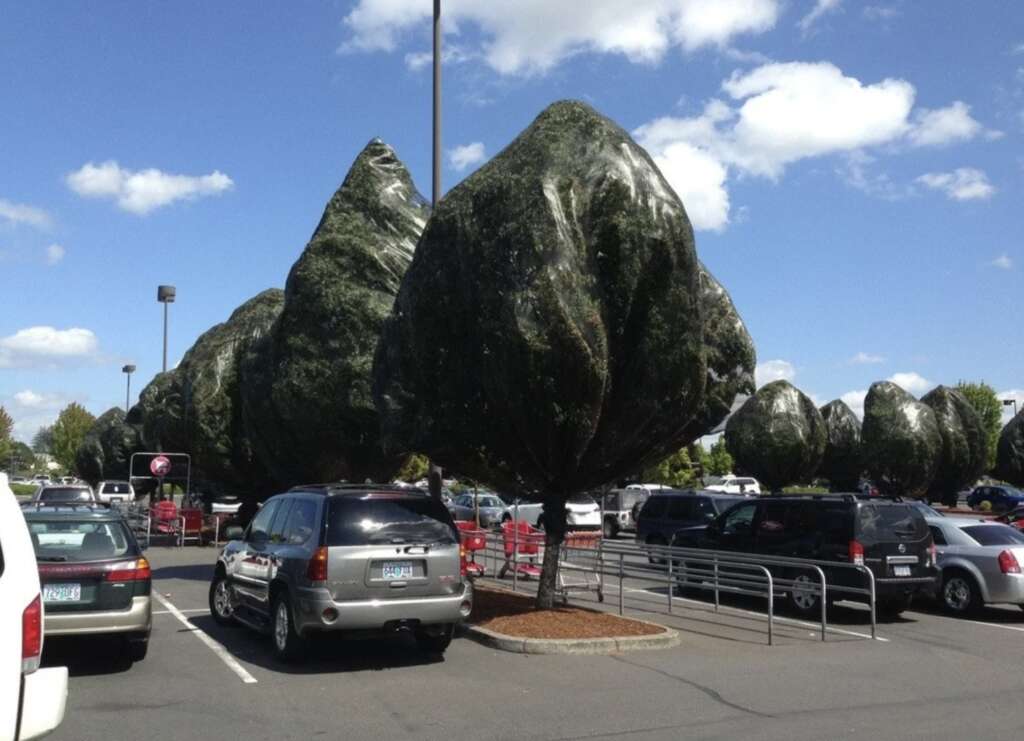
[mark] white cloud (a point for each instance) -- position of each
(821, 7)
(142, 191)
(1018, 49)
(963, 184)
(855, 400)
(864, 358)
(1015, 394)
(944, 125)
(774, 370)
(19, 213)
(881, 13)
(467, 155)
(699, 180)
(54, 254)
(46, 346)
(911, 382)
(31, 410)
(642, 30)
(1003, 262)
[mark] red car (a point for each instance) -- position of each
(1014, 517)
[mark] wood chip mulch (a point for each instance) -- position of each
(515, 615)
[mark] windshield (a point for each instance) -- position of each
(388, 520)
(995, 535)
(713, 480)
(63, 540)
(65, 494)
(581, 499)
(492, 502)
(926, 509)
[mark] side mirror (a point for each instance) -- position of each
(233, 532)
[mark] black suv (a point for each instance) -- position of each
(669, 510)
(888, 536)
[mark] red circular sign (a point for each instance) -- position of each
(160, 466)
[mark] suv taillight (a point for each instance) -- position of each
(317, 568)
(31, 636)
(1008, 563)
(856, 552)
(933, 554)
(130, 571)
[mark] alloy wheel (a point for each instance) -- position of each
(803, 594)
(957, 594)
(281, 626)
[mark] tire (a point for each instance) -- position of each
(960, 594)
(890, 609)
(137, 648)
(658, 542)
(435, 643)
(609, 529)
(221, 601)
(801, 597)
(288, 645)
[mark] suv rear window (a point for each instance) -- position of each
(995, 535)
(376, 521)
(67, 540)
(115, 489)
(881, 520)
(654, 507)
(65, 494)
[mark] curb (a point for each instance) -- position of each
(579, 646)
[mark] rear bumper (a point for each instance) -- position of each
(1005, 589)
(44, 698)
(138, 618)
(377, 614)
(904, 587)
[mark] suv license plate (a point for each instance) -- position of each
(901, 570)
(398, 570)
(62, 592)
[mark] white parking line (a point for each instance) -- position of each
(790, 621)
(217, 648)
(1017, 628)
(168, 612)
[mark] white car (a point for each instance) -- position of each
(733, 485)
(114, 491)
(40, 694)
(581, 512)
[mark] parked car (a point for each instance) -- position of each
(1001, 498)
(492, 507)
(888, 536)
(729, 484)
(980, 562)
(668, 511)
(32, 700)
(581, 513)
(1014, 518)
(108, 492)
(345, 557)
(94, 577)
(61, 494)
(620, 509)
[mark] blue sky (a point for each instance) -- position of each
(854, 169)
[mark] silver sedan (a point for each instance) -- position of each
(980, 562)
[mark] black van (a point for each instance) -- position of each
(669, 510)
(887, 535)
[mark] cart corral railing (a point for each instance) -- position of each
(183, 525)
(588, 562)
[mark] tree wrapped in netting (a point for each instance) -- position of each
(901, 440)
(843, 462)
(1010, 451)
(964, 444)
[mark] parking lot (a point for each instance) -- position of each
(928, 676)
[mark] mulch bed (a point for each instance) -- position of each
(514, 615)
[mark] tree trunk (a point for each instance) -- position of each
(434, 482)
(554, 536)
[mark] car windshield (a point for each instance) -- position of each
(492, 502)
(65, 494)
(713, 480)
(721, 504)
(994, 535)
(581, 499)
(926, 510)
(1013, 492)
(69, 540)
(399, 519)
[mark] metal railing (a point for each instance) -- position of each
(718, 572)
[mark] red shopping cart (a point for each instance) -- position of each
(472, 539)
(520, 539)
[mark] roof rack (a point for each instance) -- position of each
(341, 487)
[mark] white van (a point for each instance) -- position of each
(730, 484)
(40, 693)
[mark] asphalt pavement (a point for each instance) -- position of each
(930, 676)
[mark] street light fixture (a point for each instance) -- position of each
(434, 474)
(128, 370)
(165, 295)
(1008, 402)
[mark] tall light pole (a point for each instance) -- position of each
(1008, 402)
(165, 295)
(128, 370)
(434, 472)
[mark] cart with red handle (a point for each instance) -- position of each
(579, 565)
(472, 539)
(521, 540)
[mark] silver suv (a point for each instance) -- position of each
(344, 558)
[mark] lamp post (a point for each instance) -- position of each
(165, 295)
(128, 370)
(1008, 402)
(434, 472)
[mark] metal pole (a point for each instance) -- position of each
(621, 569)
(128, 393)
(434, 474)
(670, 588)
(165, 337)
(716, 582)
(515, 544)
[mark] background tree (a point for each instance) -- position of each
(675, 471)
(42, 441)
(6, 426)
(984, 400)
(1010, 451)
(717, 461)
(843, 463)
(901, 440)
(70, 430)
(414, 468)
(20, 457)
(777, 436)
(964, 444)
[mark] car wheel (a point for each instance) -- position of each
(609, 530)
(137, 647)
(803, 595)
(222, 601)
(960, 594)
(657, 542)
(890, 609)
(435, 643)
(288, 645)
